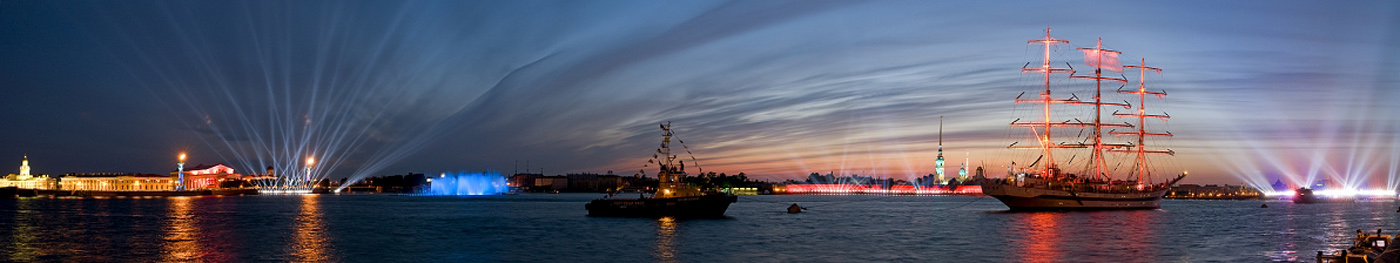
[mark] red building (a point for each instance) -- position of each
(208, 176)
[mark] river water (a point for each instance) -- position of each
(554, 228)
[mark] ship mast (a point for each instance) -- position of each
(668, 178)
(1100, 58)
(1043, 136)
(1141, 115)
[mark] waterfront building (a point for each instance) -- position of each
(24, 179)
(208, 176)
(523, 180)
(115, 182)
(200, 177)
(1212, 191)
(554, 183)
(588, 182)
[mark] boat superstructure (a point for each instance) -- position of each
(1307, 196)
(673, 196)
(1044, 184)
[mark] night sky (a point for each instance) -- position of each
(1258, 90)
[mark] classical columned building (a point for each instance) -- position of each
(115, 182)
(207, 176)
(25, 180)
(200, 177)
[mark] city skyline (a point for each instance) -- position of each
(1260, 91)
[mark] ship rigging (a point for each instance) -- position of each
(1044, 184)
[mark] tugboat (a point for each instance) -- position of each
(1306, 196)
(1046, 186)
(673, 197)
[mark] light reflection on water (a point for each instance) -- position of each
(553, 228)
(666, 239)
(1042, 235)
(23, 237)
(181, 232)
(309, 242)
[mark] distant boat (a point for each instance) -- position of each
(1046, 186)
(1306, 196)
(673, 197)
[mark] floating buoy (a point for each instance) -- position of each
(1264, 206)
(794, 209)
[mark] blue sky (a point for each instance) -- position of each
(1259, 90)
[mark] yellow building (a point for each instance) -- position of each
(200, 177)
(116, 182)
(25, 180)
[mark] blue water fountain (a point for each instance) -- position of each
(468, 183)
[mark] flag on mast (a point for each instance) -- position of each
(1101, 58)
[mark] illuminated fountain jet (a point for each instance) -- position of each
(468, 183)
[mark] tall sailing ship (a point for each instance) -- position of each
(1045, 185)
(673, 196)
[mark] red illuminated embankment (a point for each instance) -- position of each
(875, 189)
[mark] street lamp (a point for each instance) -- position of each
(180, 186)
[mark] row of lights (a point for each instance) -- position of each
(1336, 193)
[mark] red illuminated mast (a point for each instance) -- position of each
(1043, 134)
(1141, 148)
(1050, 167)
(1101, 59)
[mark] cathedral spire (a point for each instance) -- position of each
(938, 164)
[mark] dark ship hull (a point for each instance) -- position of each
(704, 206)
(8, 192)
(1306, 196)
(1036, 199)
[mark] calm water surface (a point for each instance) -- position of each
(553, 228)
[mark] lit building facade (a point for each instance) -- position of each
(207, 176)
(24, 179)
(115, 182)
(200, 177)
(196, 178)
